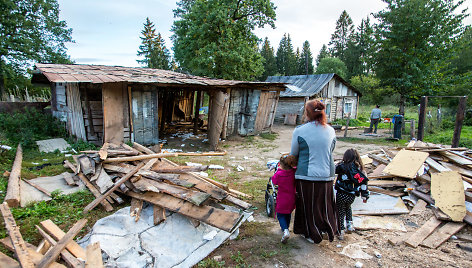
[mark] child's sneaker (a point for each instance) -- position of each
(350, 227)
(341, 235)
(285, 236)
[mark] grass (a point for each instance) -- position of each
(444, 136)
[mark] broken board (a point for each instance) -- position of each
(406, 163)
(379, 204)
(442, 234)
(447, 190)
(376, 223)
(424, 231)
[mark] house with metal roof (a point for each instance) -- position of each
(339, 96)
(118, 104)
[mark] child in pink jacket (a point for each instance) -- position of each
(285, 203)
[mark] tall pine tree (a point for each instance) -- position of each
(286, 61)
(324, 53)
(152, 49)
(305, 63)
(270, 66)
(341, 36)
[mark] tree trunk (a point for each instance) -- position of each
(2, 79)
(401, 110)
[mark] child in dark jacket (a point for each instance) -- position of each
(285, 203)
(351, 182)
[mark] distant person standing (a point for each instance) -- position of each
(375, 118)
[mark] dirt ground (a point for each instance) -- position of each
(258, 242)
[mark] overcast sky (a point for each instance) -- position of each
(107, 31)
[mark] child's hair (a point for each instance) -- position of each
(288, 161)
(352, 156)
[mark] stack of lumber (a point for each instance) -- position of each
(439, 178)
(148, 176)
(56, 244)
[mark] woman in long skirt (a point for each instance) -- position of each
(313, 143)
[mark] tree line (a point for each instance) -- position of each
(414, 48)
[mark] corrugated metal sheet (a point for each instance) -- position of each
(309, 84)
(103, 74)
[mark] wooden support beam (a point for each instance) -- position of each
(39, 188)
(55, 251)
(105, 204)
(66, 255)
(215, 118)
(347, 124)
(43, 246)
(142, 148)
(13, 190)
(460, 115)
(197, 112)
(379, 159)
(138, 157)
(222, 219)
(36, 257)
(115, 186)
(57, 234)
(159, 214)
(16, 238)
(94, 256)
(422, 117)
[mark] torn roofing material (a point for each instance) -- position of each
(70, 73)
(306, 85)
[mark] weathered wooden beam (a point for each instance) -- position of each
(115, 186)
(136, 208)
(215, 117)
(138, 157)
(94, 256)
(36, 257)
(57, 234)
(203, 154)
(460, 115)
(55, 251)
(422, 117)
(142, 148)
(424, 231)
(197, 112)
(105, 204)
(7, 262)
(159, 214)
(39, 188)
(66, 255)
(13, 190)
(180, 169)
(16, 238)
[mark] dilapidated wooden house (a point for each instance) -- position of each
(338, 95)
(115, 104)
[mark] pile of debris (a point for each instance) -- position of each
(424, 176)
(139, 173)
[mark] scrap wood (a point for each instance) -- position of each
(379, 159)
(105, 204)
(203, 154)
(103, 153)
(436, 166)
(39, 188)
(464, 237)
(115, 186)
(442, 234)
(377, 171)
(238, 202)
(424, 188)
(222, 219)
(58, 234)
(387, 192)
(55, 251)
(136, 208)
(459, 154)
(180, 169)
(461, 170)
(13, 190)
(424, 231)
(159, 214)
(138, 157)
(85, 165)
(111, 153)
(386, 183)
(71, 166)
(142, 148)
(15, 236)
(94, 256)
(129, 148)
(68, 178)
(194, 197)
(447, 190)
(399, 239)
(43, 246)
(440, 215)
(425, 178)
(7, 262)
(35, 256)
(66, 255)
(406, 163)
(468, 196)
(457, 158)
(425, 197)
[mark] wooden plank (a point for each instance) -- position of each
(435, 165)
(387, 192)
(379, 159)
(425, 197)
(224, 220)
(105, 204)
(386, 183)
(456, 159)
(138, 157)
(7, 262)
(460, 115)
(68, 178)
(399, 239)
(112, 98)
(424, 231)
(94, 256)
(216, 114)
(406, 163)
(180, 169)
(43, 246)
(142, 148)
(17, 240)
(418, 208)
(377, 171)
(39, 188)
(238, 202)
(66, 255)
(35, 256)
(442, 234)
(194, 197)
(103, 153)
(115, 186)
(463, 171)
(55, 251)
(57, 234)
(136, 208)
(13, 190)
(447, 190)
(159, 214)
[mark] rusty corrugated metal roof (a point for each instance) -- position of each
(57, 73)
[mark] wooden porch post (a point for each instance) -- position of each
(216, 114)
(459, 120)
(422, 117)
(197, 111)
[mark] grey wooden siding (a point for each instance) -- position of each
(145, 116)
(242, 111)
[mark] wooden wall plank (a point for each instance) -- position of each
(112, 97)
(75, 115)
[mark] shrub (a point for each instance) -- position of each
(30, 126)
